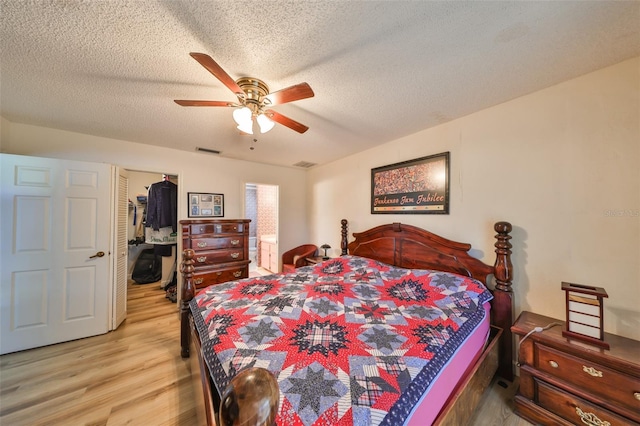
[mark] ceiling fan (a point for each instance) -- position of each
(254, 99)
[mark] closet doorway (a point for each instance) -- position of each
(138, 186)
(261, 206)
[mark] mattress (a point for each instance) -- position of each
(351, 341)
(443, 385)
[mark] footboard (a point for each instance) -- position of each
(205, 397)
(188, 292)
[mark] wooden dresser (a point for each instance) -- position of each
(221, 249)
(567, 382)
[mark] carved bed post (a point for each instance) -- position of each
(188, 291)
(503, 295)
(344, 242)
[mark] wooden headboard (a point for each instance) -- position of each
(411, 247)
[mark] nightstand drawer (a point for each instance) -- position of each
(575, 409)
(593, 378)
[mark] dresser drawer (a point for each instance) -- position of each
(216, 228)
(575, 409)
(198, 244)
(614, 386)
(213, 257)
(209, 277)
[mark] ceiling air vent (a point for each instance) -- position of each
(304, 164)
(210, 151)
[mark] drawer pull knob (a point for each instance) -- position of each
(553, 364)
(590, 418)
(235, 255)
(201, 259)
(237, 274)
(219, 273)
(591, 371)
(235, 242)
(198, 281)
(636, 395)
(202, 244)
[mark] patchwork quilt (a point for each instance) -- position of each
(351, 341)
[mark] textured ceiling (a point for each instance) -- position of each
(379, 70)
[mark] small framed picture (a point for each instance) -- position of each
(205, 204)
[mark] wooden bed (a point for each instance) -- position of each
(404, 246)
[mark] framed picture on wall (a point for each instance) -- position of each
(204, 204)
(419, 186)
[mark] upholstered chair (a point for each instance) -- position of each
(295, 258)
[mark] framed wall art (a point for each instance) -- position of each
(419, 186)
(204, 204)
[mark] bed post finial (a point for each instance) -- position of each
(344, 242)
(188, 291)
(502, 307)
(503, 266)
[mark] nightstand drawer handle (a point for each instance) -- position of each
(237, 274)
(202, 259)
(590, 418)
(198, 281)
(591, 371)
(235, 255)
(553, 364)
(637, 395)
(235, 242)
(202, 244)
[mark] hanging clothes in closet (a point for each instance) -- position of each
(162, 214)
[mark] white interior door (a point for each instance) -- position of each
(121, 251)
(55, 222)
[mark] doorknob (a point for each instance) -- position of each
(98, 254)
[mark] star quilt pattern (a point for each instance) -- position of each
(351, 341)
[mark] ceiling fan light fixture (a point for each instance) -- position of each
(246, 127)
(242, 116)
(253, 97)
(265, 123)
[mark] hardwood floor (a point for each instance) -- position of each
(496, 406)
(134, 376)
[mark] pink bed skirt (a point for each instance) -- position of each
(437, 395)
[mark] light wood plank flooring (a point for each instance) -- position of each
(134, 376)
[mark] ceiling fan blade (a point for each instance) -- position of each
(286, 121)
(205, 103)
(290, 94)
(215, 69)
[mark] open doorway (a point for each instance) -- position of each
(144, 248)
(261, 206)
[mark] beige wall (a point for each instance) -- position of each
(196, 172)
(552, 163)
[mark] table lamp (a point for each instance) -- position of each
(325, 247)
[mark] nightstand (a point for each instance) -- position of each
(564, 381)
(316, 259)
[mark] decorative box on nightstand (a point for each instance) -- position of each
(565, 381)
